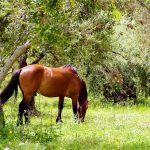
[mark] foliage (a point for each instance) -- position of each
(87, 34)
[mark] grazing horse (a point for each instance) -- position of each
(51, 82)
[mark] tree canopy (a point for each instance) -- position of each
(90, 34)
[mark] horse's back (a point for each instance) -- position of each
(59, 82)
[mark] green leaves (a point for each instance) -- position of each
(116, 14)
(85, 33)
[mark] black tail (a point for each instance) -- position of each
(83, 93)
(10, 88)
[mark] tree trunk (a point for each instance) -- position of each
(9, 62)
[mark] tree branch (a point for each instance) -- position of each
(9, 62)
(118, 54)
(38, 58)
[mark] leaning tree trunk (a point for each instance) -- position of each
(9, 62)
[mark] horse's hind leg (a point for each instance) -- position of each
(27, 100)
(60, 107)
(26, 114)
(22, 108)
(20, 114)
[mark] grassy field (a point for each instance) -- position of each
(105, 127)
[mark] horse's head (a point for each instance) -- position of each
(83, 101)
(82, 110)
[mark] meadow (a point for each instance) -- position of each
(106, 127)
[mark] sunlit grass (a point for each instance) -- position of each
(105, 127)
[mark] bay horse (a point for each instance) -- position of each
(50, 82)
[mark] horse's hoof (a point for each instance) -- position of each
(27, 123)
(19, 122)
(59, 121)
(76, 120)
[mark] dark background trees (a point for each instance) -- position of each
(91, 35)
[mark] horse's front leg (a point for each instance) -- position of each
(60, 107)
(74, 107)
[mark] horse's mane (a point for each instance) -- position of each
(74, 69)
(83, 94)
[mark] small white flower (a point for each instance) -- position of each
(21, 143)
(6, 148)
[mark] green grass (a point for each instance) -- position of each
(105, 127)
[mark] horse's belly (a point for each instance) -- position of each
(52, 91)
(50, 94)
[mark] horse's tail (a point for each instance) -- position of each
(83, 91)
(11, 87)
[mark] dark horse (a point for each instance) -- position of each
(51, 82)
